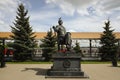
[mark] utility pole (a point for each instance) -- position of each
(2, 54)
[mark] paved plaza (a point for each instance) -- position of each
(37, 72)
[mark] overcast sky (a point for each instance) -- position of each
(77, 15)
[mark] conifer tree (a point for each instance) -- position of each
(108, 42)
(24, 38)
(48, 45)
(77, 48)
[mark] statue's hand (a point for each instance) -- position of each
(53, 27)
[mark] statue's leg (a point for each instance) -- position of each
(60, 42)
(58, 47)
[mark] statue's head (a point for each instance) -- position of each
(60, 22)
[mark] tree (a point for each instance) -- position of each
(48, 45)
(24, 38)
(108, 42)
(77, 48)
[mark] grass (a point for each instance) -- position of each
(82, 62)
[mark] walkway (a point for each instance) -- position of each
(37, 72)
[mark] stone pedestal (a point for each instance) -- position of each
(66, 65)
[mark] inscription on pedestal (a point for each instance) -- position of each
(66, 63)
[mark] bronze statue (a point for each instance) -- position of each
(66, 62)
(63, 37)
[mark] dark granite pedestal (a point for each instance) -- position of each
(66, 64)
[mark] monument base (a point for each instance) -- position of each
(66, 74)
(66, 65)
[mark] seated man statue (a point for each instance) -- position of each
(63, 37)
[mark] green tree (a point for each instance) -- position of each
(24, 38)
(77, 48)
(109, 46)
(48, 45)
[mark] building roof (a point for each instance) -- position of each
(86, 35)
(5, 35)
(74, 35)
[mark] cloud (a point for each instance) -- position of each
(42, 15)
(118, 18)
(106, 7)
(69, 7)
(79, 15)
(8, 12)
(40, 28)
(84, 25)
(110, 4)
(80, 6)
(7, 5)
(79, 3)
(66, 8)
(4, 26)
(89, 25)
(43, 20)
(92, 14)
(1, 22)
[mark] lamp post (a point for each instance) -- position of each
(2, 54)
